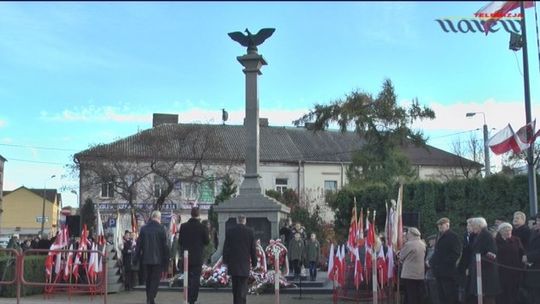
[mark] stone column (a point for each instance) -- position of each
(252, 63)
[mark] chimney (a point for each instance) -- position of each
(263, 122)
(159, 119)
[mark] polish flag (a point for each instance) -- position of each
(521, 141)
(503, 141)
(506, 139)
(353, 230)
(382, 268)
(360, 233)
(331, 264)
(358, 277)
(497, 10)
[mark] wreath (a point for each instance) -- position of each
(276, 247)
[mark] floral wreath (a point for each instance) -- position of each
(261, 258)
(276, 247)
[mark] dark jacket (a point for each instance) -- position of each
(468, 239)
(287, 234)
(484, 243)
(509, 253)
(296, 250)
(193, 237)
(524, 234)
(152, 246)
(313, 251)
(238, 249)
(127, 254)
(446, 255)
(532, 278)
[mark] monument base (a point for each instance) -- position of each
(263, 215)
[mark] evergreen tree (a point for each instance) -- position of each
(88, 214)
(228, 190)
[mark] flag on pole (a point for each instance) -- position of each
(100, 234)
(353, 229)
(360, 233)
(496, 10)
(342, 266)
(368, 247)
(358, 276)
(331, 263)
(83, 246)
(382, 268)
(69, 264)
(522, 142)
(399, 219)
(172, 227)
(118, 236)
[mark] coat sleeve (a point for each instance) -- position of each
(164, 247)
(252, 250)
(533, 255)
(205, 236)
(139, 246)
(454, 250)
(226, 248)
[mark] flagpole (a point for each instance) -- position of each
(533, 199)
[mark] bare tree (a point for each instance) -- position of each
(470, 152)
(149, 165)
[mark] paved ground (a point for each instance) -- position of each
(166, 297)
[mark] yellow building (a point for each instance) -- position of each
(23, 209)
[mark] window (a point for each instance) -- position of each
(330, 186)
(107, 189)
(207, 191)
(190, 191)
(158, 186)
(281, 184)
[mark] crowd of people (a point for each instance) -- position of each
(301, 251)
(445, 269)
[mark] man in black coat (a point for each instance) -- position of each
(444, 262)
(532, 260)
(193, 237)
(521, 230)
(238, 249)
(152, 253)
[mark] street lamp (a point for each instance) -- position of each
(43, 210)
(486, 147)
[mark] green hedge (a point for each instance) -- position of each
(493, 197)
(34, 271)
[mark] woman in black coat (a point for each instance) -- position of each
(509, 253)
(485, 245)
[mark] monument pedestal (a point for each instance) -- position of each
(263, 216)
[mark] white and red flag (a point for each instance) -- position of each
(360, 233)
(382, 267)
(353, 230)
(358, 271)
(507, 140)
(331, 263)
(83, 245)
(496, 10)
(369, 242)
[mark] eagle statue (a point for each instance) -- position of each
(252, 41)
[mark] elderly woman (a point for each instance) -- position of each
(485, 245)
(411, 257)
(510, 253)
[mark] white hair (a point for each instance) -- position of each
(156, 214)
(479, 222)
(503, 226)
(520, 214)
